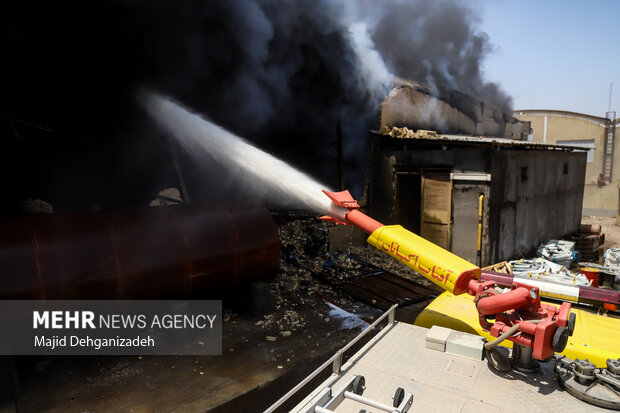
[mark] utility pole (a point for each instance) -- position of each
(611, 86)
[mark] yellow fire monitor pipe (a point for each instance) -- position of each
(443, 268)
(479, 251)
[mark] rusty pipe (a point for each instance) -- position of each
(162, 252)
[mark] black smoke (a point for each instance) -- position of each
(285, 74)
(435, 42)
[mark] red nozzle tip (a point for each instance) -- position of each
(342, 199)
(332, 219)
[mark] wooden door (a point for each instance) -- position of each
(436, 214)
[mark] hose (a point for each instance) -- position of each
(502, 337)
(497, 360)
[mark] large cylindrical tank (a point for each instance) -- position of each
(163, 252)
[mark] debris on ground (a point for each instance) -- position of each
(580, 255)
(310, 276)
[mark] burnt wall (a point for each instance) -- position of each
(416, 107)
(535, 196)
(390, 155)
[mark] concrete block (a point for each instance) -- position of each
(465, 345)
(436, 338)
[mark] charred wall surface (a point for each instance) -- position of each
(535, 196)
(389, 155)
(418, 107)
(392, 159)
(519, 211)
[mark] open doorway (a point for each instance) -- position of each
(407, 200)
(436, 205)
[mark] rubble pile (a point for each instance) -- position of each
(305, 245)
(310, 276)
(305, 251)
(407, 133)
(310, 282)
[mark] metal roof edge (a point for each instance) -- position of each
(484, 140)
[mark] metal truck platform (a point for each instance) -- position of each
(441, 382)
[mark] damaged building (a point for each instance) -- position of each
(413, 105)
(440, 184)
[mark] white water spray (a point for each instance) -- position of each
(277, 181)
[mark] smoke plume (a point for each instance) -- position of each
(285, 74)
(434, 42)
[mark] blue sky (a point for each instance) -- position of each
(554, 54)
